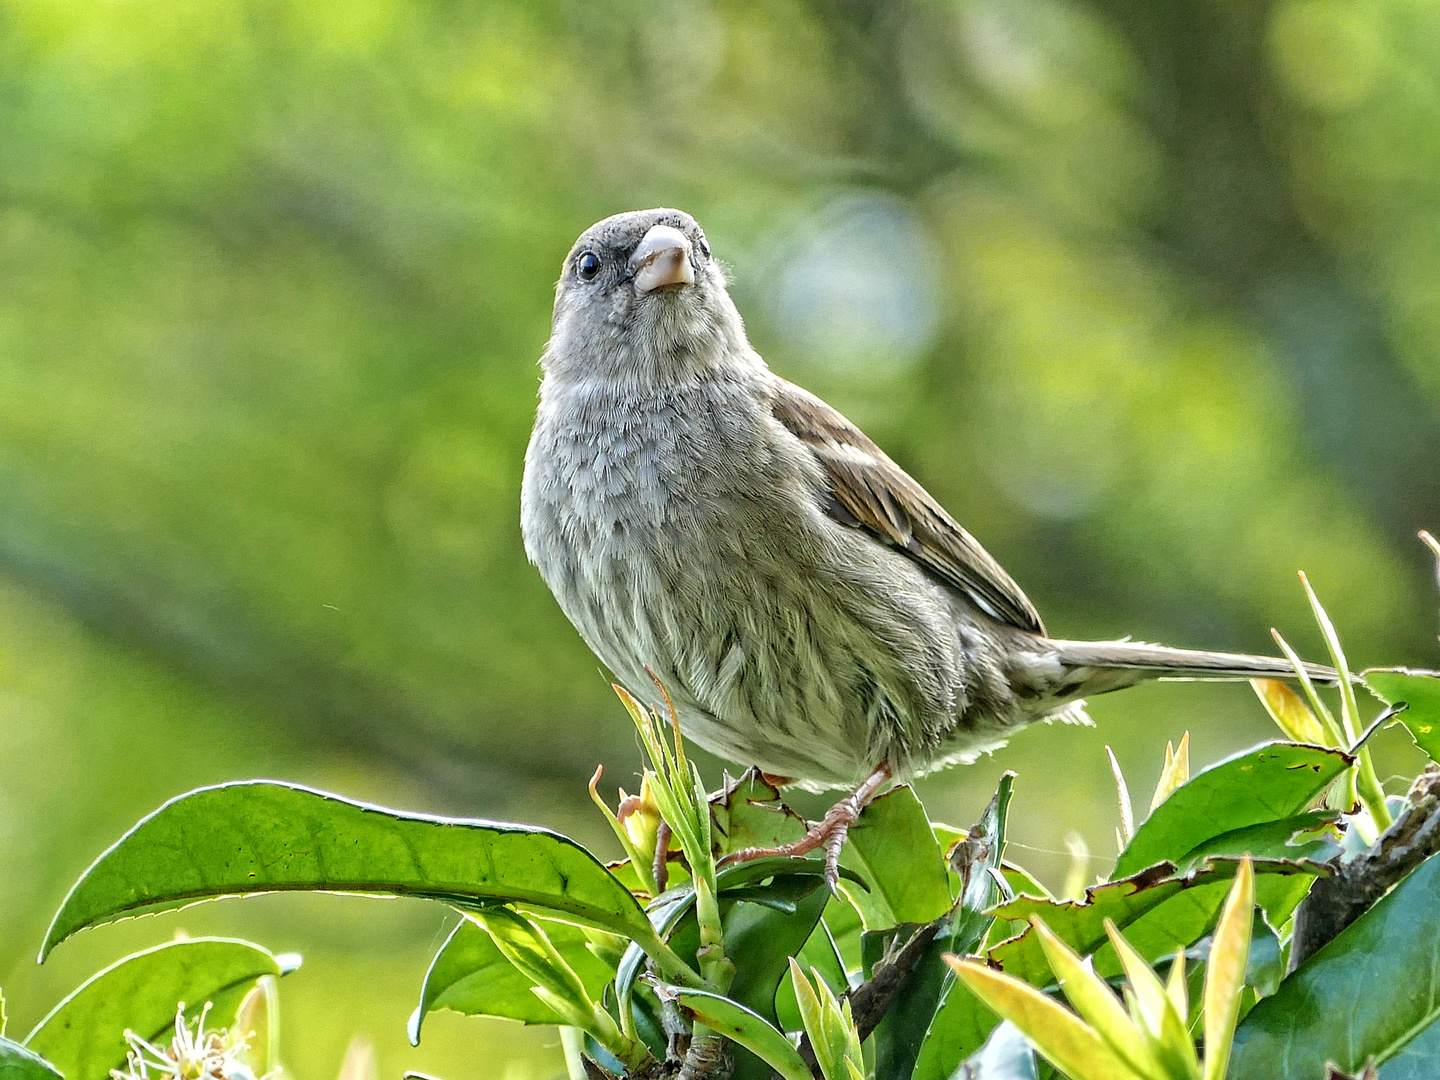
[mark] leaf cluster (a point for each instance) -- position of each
(935, 956)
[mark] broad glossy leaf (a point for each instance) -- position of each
(1416, 1061)
(959, 1027)
(1266, 964)
(846, 927)
(759, 940)
(896, 853)
(749, 1029)
(1371, 991)
(84, 1036)
(261, 836)
(1271, 782)
(18, 1063)
(1297, 837)
(470, 976)
(1157, 911)
(910, 1028)
(775, 883)
(1421, 692)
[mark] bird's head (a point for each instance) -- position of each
(639, 294)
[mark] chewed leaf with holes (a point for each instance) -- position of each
(1157, 910)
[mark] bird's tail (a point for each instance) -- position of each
(1094, 667)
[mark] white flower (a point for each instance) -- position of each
(193, 1054)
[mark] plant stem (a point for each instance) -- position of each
(572, 1041)
(670, 964)
(1372, 794)
(718, 971)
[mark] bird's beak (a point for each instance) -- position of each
(663, 258)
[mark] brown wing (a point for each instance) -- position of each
(871, 492)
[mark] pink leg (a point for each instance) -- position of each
(830, 831)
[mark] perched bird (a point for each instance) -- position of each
(811, 609)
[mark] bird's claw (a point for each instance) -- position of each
(830, 832)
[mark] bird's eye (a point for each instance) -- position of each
(587, 266)
(704, 246)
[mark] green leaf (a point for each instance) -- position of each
(18, 1063)
(257, 1019)
(749, 1029)
(932, 1026)
(526, 945)
(1225, 971)
(1266, 965)
(673, 913)
(759, 940)
(1421, 692)
(751, 814)
(84, 1036)
(937, 1022)
(1416, 1060)
(1288, 838)
(1271, 782)
(846, 928)
(959, 1028)
(1157, 911)
(830, 1027)
(896, 853)
(1371, 991)
(470, 975)
(1022, 882)
(261, 836)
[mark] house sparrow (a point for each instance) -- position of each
(811, 609)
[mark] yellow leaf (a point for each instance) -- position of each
(1176, 988)
(1077, 873)
(1289, 711)
(1149, 993)
(1349, 708)
(1225, 972)
(1127, 814)
(1175, 773)
(1093, 999)
(1065, 1040)
(359, 1063)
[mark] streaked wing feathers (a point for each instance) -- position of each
(871, 492)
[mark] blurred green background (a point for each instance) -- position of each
(1146, 291)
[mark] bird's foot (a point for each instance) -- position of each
(829, 832)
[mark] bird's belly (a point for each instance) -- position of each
(804, 652)
(762, 669)
(765, 664)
